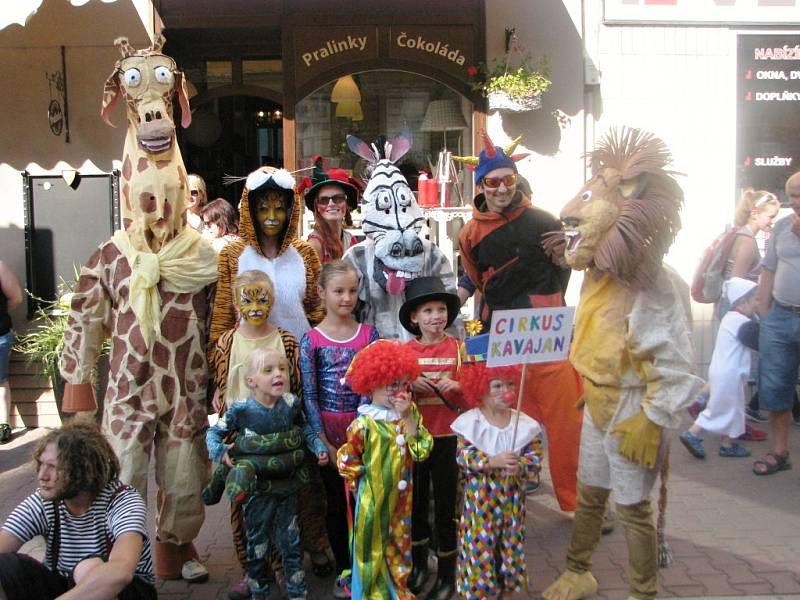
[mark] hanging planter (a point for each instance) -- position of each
(508, 87)
(502, 101)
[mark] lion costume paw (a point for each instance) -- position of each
(571, 586)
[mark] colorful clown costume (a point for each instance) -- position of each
(376, 461)
(491, 556)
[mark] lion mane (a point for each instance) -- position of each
(633, 248)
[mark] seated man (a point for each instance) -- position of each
(94, 526)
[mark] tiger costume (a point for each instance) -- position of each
(294, 270)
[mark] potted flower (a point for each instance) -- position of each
(43, 344)
(516, 88)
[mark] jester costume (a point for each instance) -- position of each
(491, 556)
(376, 462)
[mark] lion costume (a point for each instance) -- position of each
(632, 348)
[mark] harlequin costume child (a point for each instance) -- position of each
(439, 405)
(491, 556)
(376, 461)
(147, 289)
(268, 489)
(503, 255)
(632, 346)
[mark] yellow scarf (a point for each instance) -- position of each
(185, 264)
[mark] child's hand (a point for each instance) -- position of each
(322, 459)
(218, 401)
(331, 450)
(402, 403)
(505, 460)
(226, 460)
(423, 385)
(447, 385)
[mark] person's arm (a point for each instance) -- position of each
(766, 282)
(107, 580)
(88, 326)
(216, 435)
(469, 458)
(349, 459)
(9, 542)
(743, 255)
(530, 459)
(308, 370)
(10, 286)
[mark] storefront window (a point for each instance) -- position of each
(390, 102)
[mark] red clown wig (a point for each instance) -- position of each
(379, 364)
(475, 377)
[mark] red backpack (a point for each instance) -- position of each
(709, 275)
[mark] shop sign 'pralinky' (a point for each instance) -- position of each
(317, 50)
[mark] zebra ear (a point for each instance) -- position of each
(361, 149)
(399, 145)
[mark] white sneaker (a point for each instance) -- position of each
(194, 571)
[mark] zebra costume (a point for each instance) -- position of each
(393, 252)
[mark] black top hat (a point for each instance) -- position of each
(425, 289)
(310, 187)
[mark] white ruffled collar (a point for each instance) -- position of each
(379, 413)
(490, 439)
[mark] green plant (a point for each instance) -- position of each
(524, 80)
(43, 344)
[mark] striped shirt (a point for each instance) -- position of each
(85, 535)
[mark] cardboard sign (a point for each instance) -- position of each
(529, 335)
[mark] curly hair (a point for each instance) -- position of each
(632, 250)
(475, 378)
(379, 364)
(84, 457)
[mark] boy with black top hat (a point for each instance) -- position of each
(428, 310)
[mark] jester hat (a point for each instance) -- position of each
(492, 157)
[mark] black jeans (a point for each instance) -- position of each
(441, 468)
(24, 578)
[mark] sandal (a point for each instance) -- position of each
(693, 444)
(765, 466)
(734, 451)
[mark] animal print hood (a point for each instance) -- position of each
(280, 180)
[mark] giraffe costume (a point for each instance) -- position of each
(147, 289)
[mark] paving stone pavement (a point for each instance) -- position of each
(732, 534)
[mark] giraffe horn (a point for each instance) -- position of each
(488, 145)
(158, 42)
(124, 46)
(467, 160)
(509, 150)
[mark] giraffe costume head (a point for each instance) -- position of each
(154, 182)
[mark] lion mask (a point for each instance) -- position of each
(624, 219)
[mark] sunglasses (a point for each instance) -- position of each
(195, 192)
(336, 199)
(494, 182)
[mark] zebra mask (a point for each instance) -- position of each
(391, 216)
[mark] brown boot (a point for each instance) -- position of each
(577, 582)
(640, 534)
